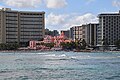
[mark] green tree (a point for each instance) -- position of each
(117, 43)
(9, 46)
(68, 45)
(64, 45)
(50, 45)
(105, 44)
(84, 44)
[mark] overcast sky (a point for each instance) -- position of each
(63, 14)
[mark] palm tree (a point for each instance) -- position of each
(117, 43)
(105, 43)
(84, 44)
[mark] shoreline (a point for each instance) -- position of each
(88, 51)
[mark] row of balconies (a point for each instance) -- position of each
(11, 40)
(32, 36)
(22, 39)
(8, 30)
(28, 19)
(22, 22)
(31, 16)
(12, 29)
(11, 26)
(11, 37)
(111, 23)
(26, 40)
(30, 33)
(11, 32)
(32, 30)
(11, 21)
(12, 18)
(33, 19)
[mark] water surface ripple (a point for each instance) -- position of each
(59, 66)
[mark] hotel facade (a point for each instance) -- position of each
(109, 28)
(21, 26)
(87, 32)
(77, 32)
(91, 34)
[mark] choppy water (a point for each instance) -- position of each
(59, 66)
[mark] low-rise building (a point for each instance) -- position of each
(57, 40)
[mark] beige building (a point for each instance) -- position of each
(21, 26)
(77, 32)
(87, 32)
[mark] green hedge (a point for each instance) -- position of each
(9, 46)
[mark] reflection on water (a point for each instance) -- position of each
(59, 66)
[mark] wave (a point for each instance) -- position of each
(52, 55)
(5, 71)
(18, 60)
(63, 55)
(92, 57)
(42, 53)
(79, 57)
(118, 56)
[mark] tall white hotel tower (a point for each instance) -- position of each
(109, 28)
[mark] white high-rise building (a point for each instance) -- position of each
(109, 28)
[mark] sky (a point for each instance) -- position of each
(64, 14)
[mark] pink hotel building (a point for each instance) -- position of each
(49, 39)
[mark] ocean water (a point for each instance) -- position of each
(59, 66)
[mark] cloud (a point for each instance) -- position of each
(65, 21)
(89, 1)
(1, 7)
(22, 3)
(35, 3)
(55, 3)
(84, 19)
(53, 19)
(2, 0)
(116, 3)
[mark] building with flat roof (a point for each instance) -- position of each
(77, 32)
(8, 26)
(66, 33)
(109, 28)
(91, 34)
(55, 33)
(51, 33)
(88, 32)
(21, 26)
